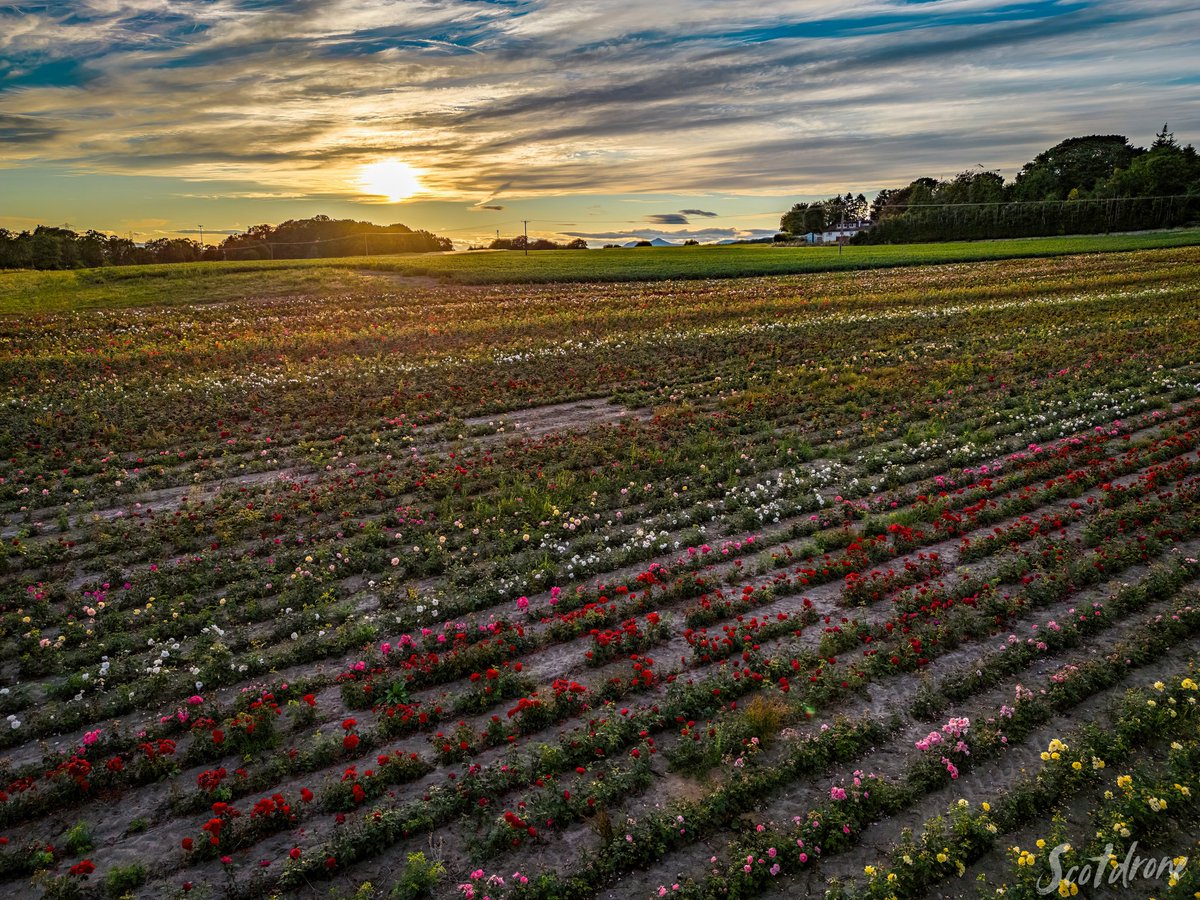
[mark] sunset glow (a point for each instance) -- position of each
(677, 120)
(391, 179)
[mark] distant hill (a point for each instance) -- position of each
(656, 242)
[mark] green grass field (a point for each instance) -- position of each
(26, 291)
(651, 263)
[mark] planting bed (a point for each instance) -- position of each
(859, 582)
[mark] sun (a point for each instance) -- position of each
(389, 178)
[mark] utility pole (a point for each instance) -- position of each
(526, 221)
(366, 245)
(201, 227)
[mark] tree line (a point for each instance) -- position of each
(824, 214)
(48, 247)
(521, 242)
(1083, 185)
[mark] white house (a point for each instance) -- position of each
(837, 234)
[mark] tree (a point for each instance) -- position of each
(45, 250)
(793, 220)
(173, 250)
(808, 217)
(803, 218)
(1081, 162)
(1165, 170)
(972, 186)
(93, 249)
(321, 236)
(1164, 140)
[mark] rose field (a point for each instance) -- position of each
(858, 584)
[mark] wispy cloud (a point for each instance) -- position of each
(704, 235)
(544, 98)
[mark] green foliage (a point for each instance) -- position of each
(1083, 185)
(48, 247)
(79, 839)
(419, 879)
(136, 826)
(122, 879)
(1079, 162)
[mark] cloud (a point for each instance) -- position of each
(704, 235)
(699, 212)
(668, 219)
(255, 195)
(480, 206)
(27, 223)
(24, 130)
(680, 96)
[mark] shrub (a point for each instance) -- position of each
(764, 717)
(79, 839)
(419, 879)
(122, 879)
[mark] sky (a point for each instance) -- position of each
(604, 120)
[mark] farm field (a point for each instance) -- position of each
(715, 261)
(154, 285)
(882, 582)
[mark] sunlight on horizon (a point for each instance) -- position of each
(390, 178)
